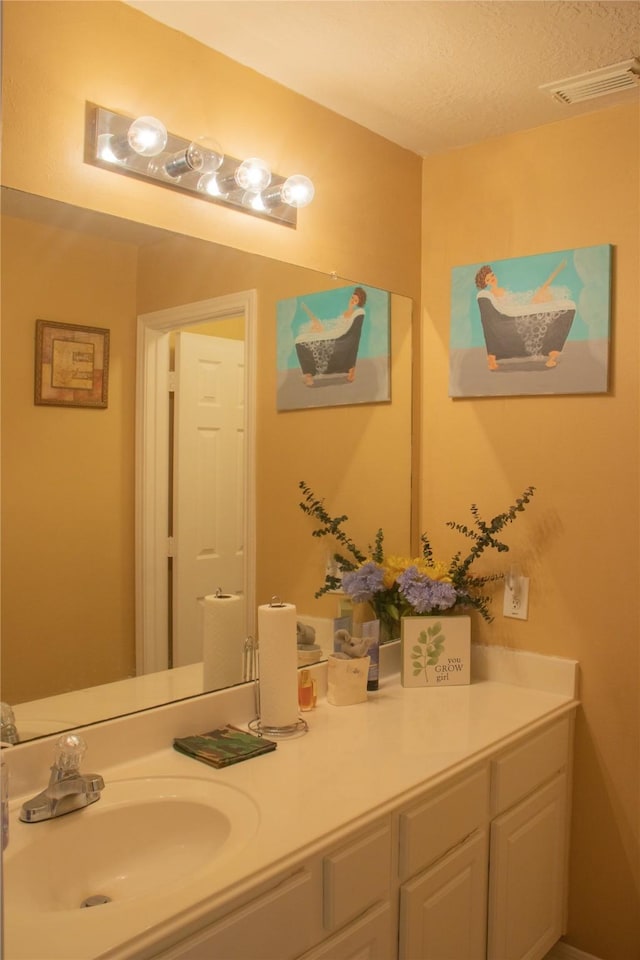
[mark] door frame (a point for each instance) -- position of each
(151, 466)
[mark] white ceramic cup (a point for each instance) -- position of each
(347, 680)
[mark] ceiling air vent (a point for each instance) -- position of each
(617, 78)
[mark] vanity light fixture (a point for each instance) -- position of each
(143, 148)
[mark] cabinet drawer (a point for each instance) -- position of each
(279, 925)
(523, 768)
(435, 825)
(371, 937)
(356, 876)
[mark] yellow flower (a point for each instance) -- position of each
(437, 570)
(393, 567)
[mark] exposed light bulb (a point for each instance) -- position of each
(253, 175)
(212, 154)
(253, 201)
(112, 149)
(210, 184)
(157, 167)
(184, 161)
(147, 136)
(297, 191)
(204, 155)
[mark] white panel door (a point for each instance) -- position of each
(526, 893)
(443, 910)
(208, 478)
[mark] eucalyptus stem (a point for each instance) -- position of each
(468, 588)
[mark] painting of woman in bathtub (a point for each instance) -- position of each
(531, 325)
(333, 348)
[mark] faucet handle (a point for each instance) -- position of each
(70, 749)
(8, 722)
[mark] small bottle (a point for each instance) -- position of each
(372, 679)
(306, 691)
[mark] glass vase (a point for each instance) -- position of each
(390, 628)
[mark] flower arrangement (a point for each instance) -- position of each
(399, 587)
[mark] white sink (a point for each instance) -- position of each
(142, 837)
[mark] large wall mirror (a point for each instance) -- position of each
(71, 586)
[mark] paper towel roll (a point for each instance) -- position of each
(278, 665)
(223, 641)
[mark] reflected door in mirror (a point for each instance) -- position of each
(208, 495)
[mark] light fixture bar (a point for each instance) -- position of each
(179, 165)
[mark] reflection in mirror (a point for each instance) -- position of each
(76, 627)
(196, 414)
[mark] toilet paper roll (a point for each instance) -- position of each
(223, 641)
(278, 665)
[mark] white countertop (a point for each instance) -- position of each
(355, 763)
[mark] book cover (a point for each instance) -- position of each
(224, 746)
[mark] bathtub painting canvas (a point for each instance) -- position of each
(531, 325)
(333, 348)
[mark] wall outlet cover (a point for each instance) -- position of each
(516, 602)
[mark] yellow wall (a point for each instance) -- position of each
(67, 474)
(59, 54)
(570, 184)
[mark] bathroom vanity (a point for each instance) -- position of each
(422, 824)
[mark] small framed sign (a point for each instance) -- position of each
(72, 365)
(436, 651)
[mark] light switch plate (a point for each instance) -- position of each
(516, 605)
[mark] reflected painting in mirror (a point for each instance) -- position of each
(72, 608)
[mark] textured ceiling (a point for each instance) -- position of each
(429, 75)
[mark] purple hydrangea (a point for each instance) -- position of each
(361, 584)
(425, 594)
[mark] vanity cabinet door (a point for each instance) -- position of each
(356, 876)
(443, 910)
(526, 880)
(372, 937)
(279, 925)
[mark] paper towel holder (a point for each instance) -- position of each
(250, 660)
(290, 730)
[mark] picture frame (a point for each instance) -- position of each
(71, 365)
(533, 325)
(333, 348)
(436, 651)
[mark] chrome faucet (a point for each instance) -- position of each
(68, 789)
(8, 729)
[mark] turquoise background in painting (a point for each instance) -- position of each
(585, 280)
(327, 305)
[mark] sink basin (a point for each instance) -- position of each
(143, 836)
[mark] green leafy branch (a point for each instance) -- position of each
(468, 587)
(484, 536)
(428, 650)
(333, 526)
